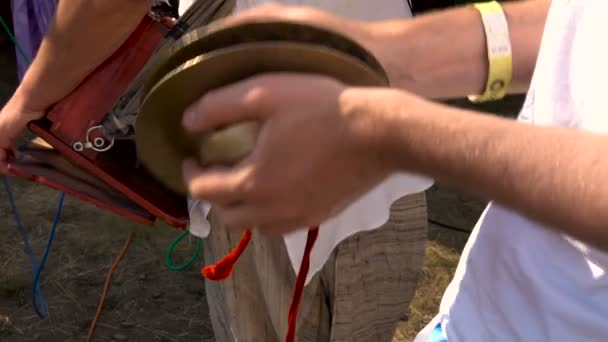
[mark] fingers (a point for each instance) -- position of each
(230, 104)
(255, 98)
(219, 186)
(280, 12)
(235, 201)
(260, 13)
(263, 218)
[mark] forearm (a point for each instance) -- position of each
(81, 36)
(444, 55)
(554, 175)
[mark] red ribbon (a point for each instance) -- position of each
(224, 267)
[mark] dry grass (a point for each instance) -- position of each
(439, 266)
(146, 301)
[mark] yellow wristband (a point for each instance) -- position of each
(500, 58)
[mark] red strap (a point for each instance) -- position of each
(224, 267)
(298, 291)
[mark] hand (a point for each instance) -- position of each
(14, 118)
(299, 14)
(376, 37)
(315, 154)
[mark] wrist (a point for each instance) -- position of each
(422, 57)
(378, 119)
(20, 104)
(407, 130)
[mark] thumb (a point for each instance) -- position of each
(242, 101)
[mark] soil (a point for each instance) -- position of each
(146, 301)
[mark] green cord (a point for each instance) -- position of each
(190, 262)
(14, 40)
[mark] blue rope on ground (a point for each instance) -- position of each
(43, 313)
(37, 296)
(36, 290)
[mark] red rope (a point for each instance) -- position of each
(224, 267)
(298, 290)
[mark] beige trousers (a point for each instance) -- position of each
(360, 295)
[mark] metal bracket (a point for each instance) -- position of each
(98, 144)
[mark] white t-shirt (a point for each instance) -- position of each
(518, 280)
(372, 210)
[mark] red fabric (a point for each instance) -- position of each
(298, 291)
(224, 267)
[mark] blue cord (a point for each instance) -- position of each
(44, 312)
(37, 296)
(37, 291)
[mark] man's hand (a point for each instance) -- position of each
(299, 14)
(322, 145)
(373, 36)
(14, 118)
(313, 156)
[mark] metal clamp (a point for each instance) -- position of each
(98, 144)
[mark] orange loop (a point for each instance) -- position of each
(224, 267)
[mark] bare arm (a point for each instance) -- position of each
(81, 36)
(443, 54)
(554, 175)
(438, 55)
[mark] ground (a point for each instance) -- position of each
(147, 302)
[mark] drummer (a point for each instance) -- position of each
(362, 278)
